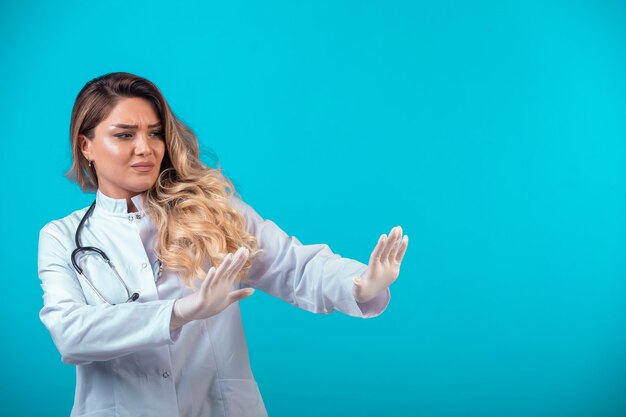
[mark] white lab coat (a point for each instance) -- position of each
(127, 361)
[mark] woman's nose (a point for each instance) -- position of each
(142, 145)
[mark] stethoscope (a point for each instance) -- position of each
(131, 296)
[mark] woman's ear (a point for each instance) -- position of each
(85, 147)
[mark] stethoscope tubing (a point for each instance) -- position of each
(131, 296)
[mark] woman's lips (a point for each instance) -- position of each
(143, 167)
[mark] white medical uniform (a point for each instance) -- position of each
(127, 361)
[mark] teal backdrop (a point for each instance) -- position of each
(493, 132)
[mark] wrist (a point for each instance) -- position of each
(357, 294)
(176, 319)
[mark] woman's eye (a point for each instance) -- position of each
(127, 135)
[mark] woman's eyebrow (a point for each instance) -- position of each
(125, 126)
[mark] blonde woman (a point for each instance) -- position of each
(141, 289)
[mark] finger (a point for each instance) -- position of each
(239, 260)
(233, 273)
(385, 249)
(388, 245)
(396, 243)
(208, 279)
(226, 261)
(240, 294)
(402, 250)
(378, 249)
(242, 262)
(221, 268)
(397, 234)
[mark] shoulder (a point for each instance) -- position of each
(241, 206)
(253, 219)
(63, 229)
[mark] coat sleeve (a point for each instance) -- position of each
(310, 277)
(86, 333)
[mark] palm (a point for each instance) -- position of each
(215, 293)
(384, 266)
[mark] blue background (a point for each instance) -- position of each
(493, 132)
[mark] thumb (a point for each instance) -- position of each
(240, 294)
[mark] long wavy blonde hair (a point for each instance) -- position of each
(189, 202)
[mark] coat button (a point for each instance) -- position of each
(130, 218)
(144, 265)
(166, 374)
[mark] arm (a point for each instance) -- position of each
(85, 333)
(310, 277)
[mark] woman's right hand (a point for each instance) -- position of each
(214, 294)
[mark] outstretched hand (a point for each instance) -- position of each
(383, 267)
(215, 294)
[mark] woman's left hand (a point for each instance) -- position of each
(384, 266)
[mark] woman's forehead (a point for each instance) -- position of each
(132, 113)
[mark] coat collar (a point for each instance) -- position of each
(110, 205)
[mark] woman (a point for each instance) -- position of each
(168, 340)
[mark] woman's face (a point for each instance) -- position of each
(127, 149)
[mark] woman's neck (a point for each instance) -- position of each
(131, 206)
(118, 195)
